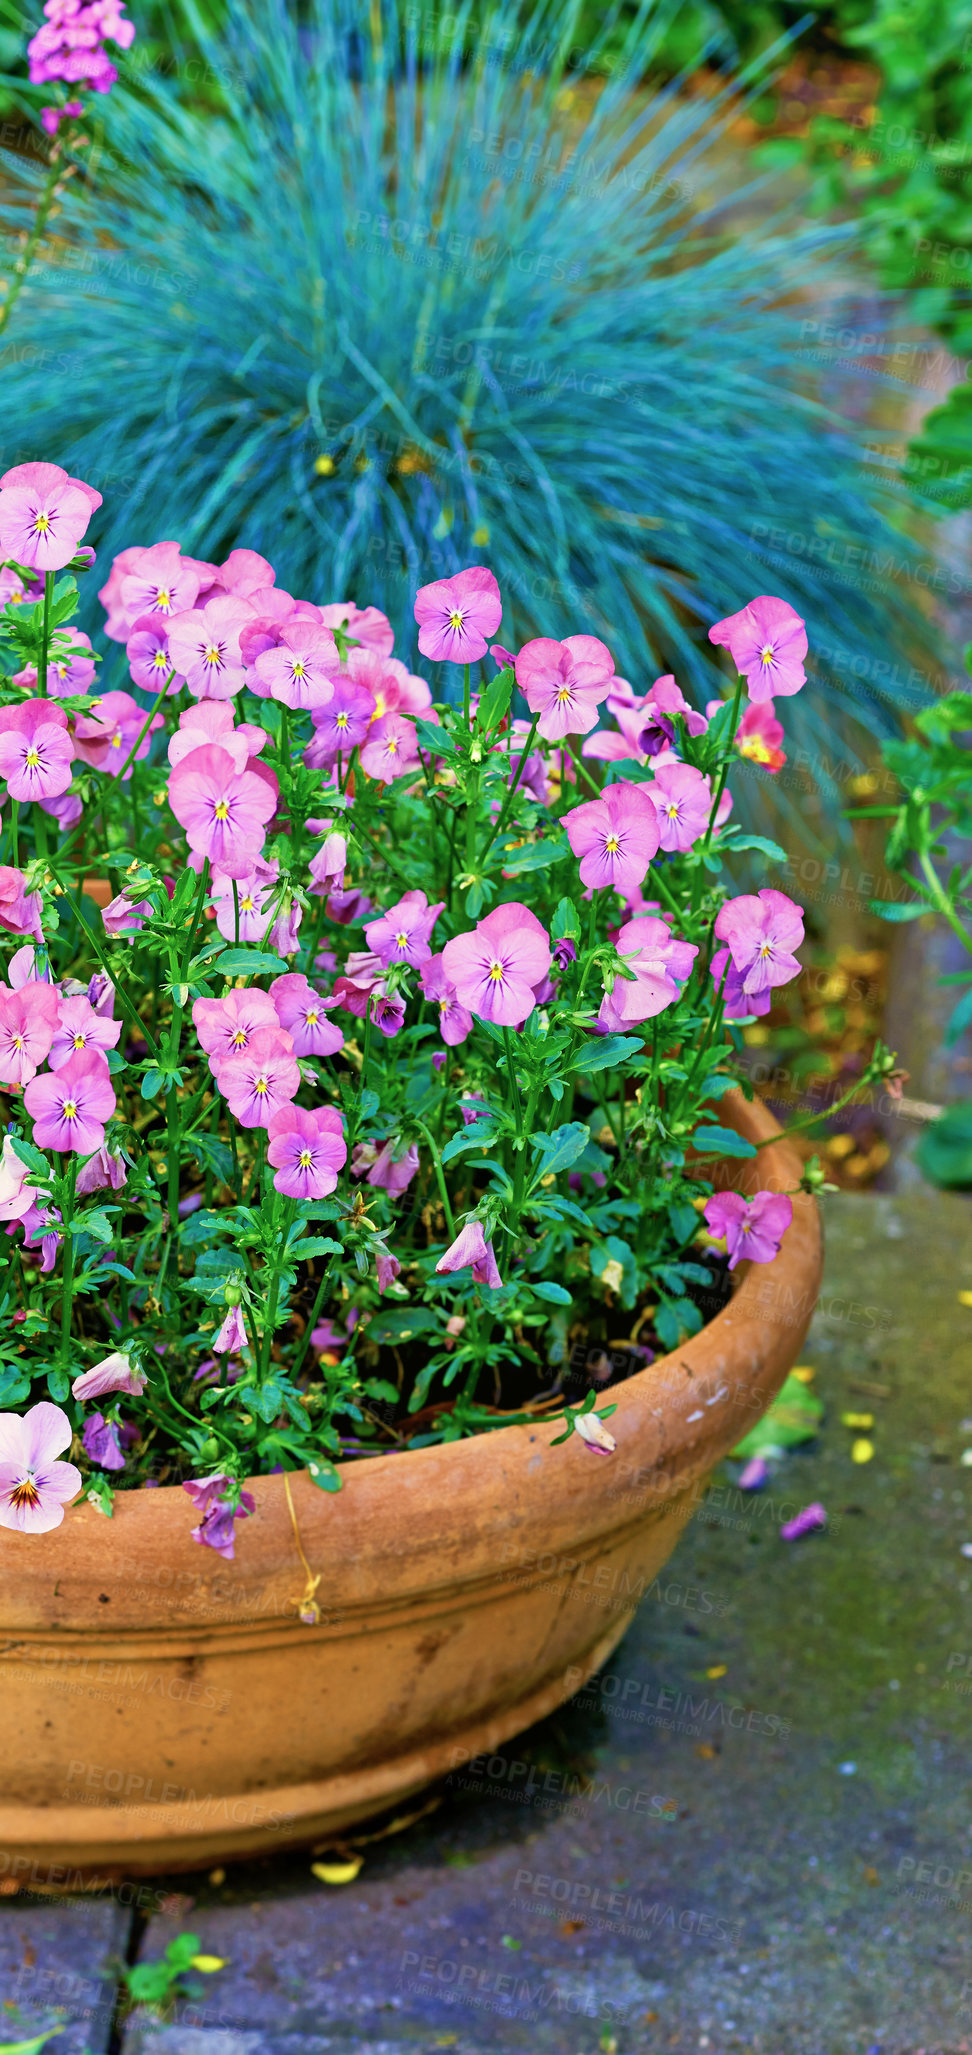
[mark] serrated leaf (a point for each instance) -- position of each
(433, 738)
(565, 926)
(494, 703)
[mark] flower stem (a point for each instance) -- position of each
(143, 731)
(67, 1268)
(45, 635)
(511, 794)
(273, 1295)
(133, 1015)
(44, 205)
(440, 1179)
(724, 766)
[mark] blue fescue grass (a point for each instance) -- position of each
(373, 256)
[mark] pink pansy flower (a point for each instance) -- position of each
(67, 674)
(211, 1499)
(34, 1486)
(365, 625)
(118, 626)
(300, 672)
(12, 592)
(683, 803)
(403, 934)
(762, 931)
(767, 641)
(41, 1225)
(69, 1106)
(455, 1021)
(125, 917)
(43, 515)
(456, 616)
(341, 725)
(284, 937)
(161, 584)
(232, 1336)
(656, 723)
(361, 990)
(501, 656)
(114, 1373)
(29, 965)
(17, 1196)
(392, 687)
(471, 1250)
(382, 1168)
(226, 1027)
(35, 750)
(615, 837)
(105, 736)
(204, 644)
(306, 1150)
(20, 910)
(751, 1228)
(102, 1172)
(101, 1442)
(391, 749)
(387, 1266)
(328, 864)
(565, 682)
(301, 1011)
(261, 1079)
(661, 965)
(223, 811)
(28, 1019)
(760, 734)
(244, 572)
(150, 660)
(495, 968)
(80, 1027)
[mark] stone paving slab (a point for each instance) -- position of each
(752, 1833)
(51, 1961)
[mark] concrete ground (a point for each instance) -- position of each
(751, 1833)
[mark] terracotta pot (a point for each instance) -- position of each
(162, 1708)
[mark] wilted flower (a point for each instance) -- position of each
(114, 1373)
(471, 1250)
(211, 1497)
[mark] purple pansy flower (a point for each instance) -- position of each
(751, 1228)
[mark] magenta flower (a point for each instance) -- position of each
(455, 1021)
(391, 749)
(565, 682)
(300, 1010)
(162, 584)
(43, 515)
(101, 1443)
(28, 1019)
(300, 671)
(69, 674)
(204, 644)
(105, 737)
(34, 1487)
(223, 811)
(760, 734)
(804, 1522)
(403, 934)
(341, 725)
(125, 917)
(382, 1168)
(307, 1150)
(751, 1228)
(150, 659)
(661, 965)
(35, 749)
(232, 1336)
(328, 864)
(17, 1196)
(494, 969)
(762, 931)
(364, 625)
(69, 1106)
(261, 1079)
(113, 1373)
(767, 641)
(211, 1498)
(471, 1250)
(20, 910)
(77, 1027)
(457, 616)
(102, 1171)
(615, 837)
(226, 1027)
(683, 803)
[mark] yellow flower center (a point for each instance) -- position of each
(164, 598)
(401, 940)
(239, 1039)
(455, 618)
(612, 845)
(298, 669)
(247, 905)
(313, 1017)
(42, 523)
(18, 1041)
(212, 654)
(755, 748)
(305, 1159)
(159, 660)
(766, 655)
(380, 706)
(32, 759)
(116, 742)
(222, 810)
(340, 720)
(672, 809)
(25, 1493)
(70, 1109)
(392, 745)
(262, 1085)
(496, 973)
(78, 1040)
(563, 694)
(766, 948)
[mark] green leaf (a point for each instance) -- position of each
(553, 1293)
(897, 910)
(565, 926)
(58, 1384)
(30, 2047)
(534, 856)
(265, 1400)
(315, 1245)
(494, 704)
(434, 739)
(242, 963)
(944, 1154)
(478, 1135)
(153, 1082)
(602, 1051)
(793, 1417)
(721, 1141)
(958, 1020)
(96, 1224)
(323, 1474)
(402, 1324)
(559, 1150)
(761, 842)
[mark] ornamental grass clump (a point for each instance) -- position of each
(361, 1052)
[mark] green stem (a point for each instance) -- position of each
(24, 263)
(440, 1179)
(67, 1268)
(143, 731)
(942, 902)
(274, 1293)
(583, 771)
(465, 696)
(126, 1004)
(724, 766)
(826, 1112)
(304, 1343)
(49, 577)
(511, 794)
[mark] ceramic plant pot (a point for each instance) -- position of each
(162, 1708)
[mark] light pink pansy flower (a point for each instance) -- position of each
(248, 917)
(565, 682)
(204, 644)
(69, 674)
(307, 1150)
(28, 1019)
(759, 735)
(34, 1486)
(391, 749)
(341, 725)
(150, 660)
(494, 969)
(17, 1195)
(455, 1021)
(384, 1169)
(161, 585)
(661, 965)
(300, 671)
(471, 1250)
(79, 1027)
(365, 625)
(762, 931)
(43, 515)
(36, 750)
(767, 641)
(392, 687)
(105, 736)
(261, 1079)
(223, 811)
(683, 803)
(403, 934)
(615, 837)
(226, 1027)
(751, 1228)
(301, 1011)
(69, 1106)
(457, 616)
